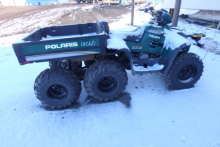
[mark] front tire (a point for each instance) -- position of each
(57, 88)
(185, 71)
(105, 80)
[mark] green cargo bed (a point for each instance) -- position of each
(59, 42)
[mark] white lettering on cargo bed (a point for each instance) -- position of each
(89, 43)
(63, 45)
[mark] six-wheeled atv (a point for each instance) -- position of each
(90, 52)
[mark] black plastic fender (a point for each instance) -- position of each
(169, 61)
(128, 53)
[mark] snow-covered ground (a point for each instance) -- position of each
(157, 117)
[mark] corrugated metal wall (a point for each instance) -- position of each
(194, 4)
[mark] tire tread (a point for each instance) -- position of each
(96, 69)
(178, 61)
(53, 75)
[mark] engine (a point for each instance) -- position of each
(144, 56)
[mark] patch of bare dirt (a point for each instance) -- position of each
(7, 12)
(108, 13)
(19, 20)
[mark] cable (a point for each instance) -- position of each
(211, 41)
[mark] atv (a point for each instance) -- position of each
(99, 57)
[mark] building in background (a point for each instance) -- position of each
(193, 4)
(42, 2)
(209, 10)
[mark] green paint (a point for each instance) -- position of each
(151, 42)
(95, 50)
(58, 46)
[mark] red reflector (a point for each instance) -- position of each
(26, 62)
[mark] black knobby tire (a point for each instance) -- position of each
(57, 88)
(78, 1)
(185, 71)
(105, 80)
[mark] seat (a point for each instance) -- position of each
(135, 35)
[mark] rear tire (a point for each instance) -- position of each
(185, 71)
(105, 80)
(78, 1)
(57, 88)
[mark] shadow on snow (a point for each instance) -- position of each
(124, 98)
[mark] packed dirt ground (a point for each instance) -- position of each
(24, 19)
(7, 12)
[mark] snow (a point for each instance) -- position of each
(87, 8)
(157, 116)
(117, 37)
(48, 37)
(116, 41)
(174, 40)
(209, 32)
(149, 68)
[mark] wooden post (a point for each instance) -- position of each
(176, 13)
(132, 13)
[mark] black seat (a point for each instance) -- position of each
(135, 38)
(101, 26)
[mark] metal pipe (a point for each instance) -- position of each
(132, 13)
(176, 13)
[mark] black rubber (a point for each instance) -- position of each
(53, 64)
(78, 1)
(106, 79)
(185, 71)
(64, 64)
(61, 64)
(57, 88)
(89, 62)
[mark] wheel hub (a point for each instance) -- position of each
(57, 92)
(107, 84)
(187, 73)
